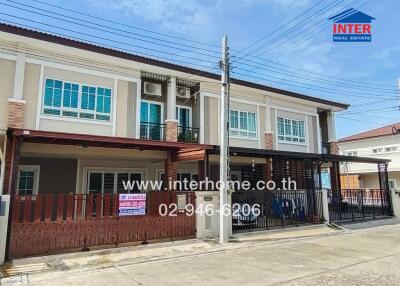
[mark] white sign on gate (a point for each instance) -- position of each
(132, 204)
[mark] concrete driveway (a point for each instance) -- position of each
(306, 256)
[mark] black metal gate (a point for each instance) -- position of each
(262, 209)
(358, 204)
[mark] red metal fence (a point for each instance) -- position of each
(52, 223)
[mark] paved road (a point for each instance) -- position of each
(358, 257)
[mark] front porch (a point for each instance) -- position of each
(65, 190)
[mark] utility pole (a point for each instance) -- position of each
(224, 142)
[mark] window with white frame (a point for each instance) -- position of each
(381, 150)
(291, 130)
(112, 182)
(28, 180)
(352, 153)
(73, 100)
(243, 124)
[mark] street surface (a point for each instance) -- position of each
(301, 256)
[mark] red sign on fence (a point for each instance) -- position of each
(132, 204)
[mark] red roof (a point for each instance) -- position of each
(378, 132)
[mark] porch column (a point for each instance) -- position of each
(14, 164)
(171, 124)
(170, 171)
(335, 176)
(16, 104)
(268, 170)
(333, 144)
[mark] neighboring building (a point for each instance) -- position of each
(382, 143)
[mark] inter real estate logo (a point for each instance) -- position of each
(352, 26)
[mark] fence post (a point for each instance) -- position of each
(325, 206)
(4, 213)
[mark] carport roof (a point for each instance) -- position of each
(252, 152)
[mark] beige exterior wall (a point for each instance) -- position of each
(75, 65)
(211, 120)
(7, 74)
(31, 95)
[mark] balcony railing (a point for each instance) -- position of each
(152, 131)
(188, 134)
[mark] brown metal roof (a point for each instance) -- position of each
(378, 132)
(132, 57)
(49, 137)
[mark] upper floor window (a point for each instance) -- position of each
(243, 124)
(74, 100)
(352, 153)
(382, 150)
(290, 130)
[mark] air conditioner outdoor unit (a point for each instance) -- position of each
(151, 88)
(183, 92)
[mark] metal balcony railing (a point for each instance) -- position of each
(152, 131)
(188, 134)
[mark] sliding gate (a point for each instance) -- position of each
(358, 204)
(44, 224)
(262, 209)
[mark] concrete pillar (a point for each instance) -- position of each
(16, 104)
(333, 144)
(4, 211)
(325, 205)
(171, 123)
(19, 76)
(207, 223)
(395, 196)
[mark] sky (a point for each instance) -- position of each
(300, 56)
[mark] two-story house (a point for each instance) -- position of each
(98, 116)
(78, 120)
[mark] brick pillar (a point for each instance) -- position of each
(16, 113)
(334, 148)
(171, 130)
(269, 143)
(170, 171)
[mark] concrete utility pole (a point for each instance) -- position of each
(224, 133)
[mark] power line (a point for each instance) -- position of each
(354, 119)
(300, 41)
(279, 28)
(307, 20)
(125, 25)
(112, 28)
(80, 19)
(304, 85)
(330, 82)
(105, 39)
(89, 64)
